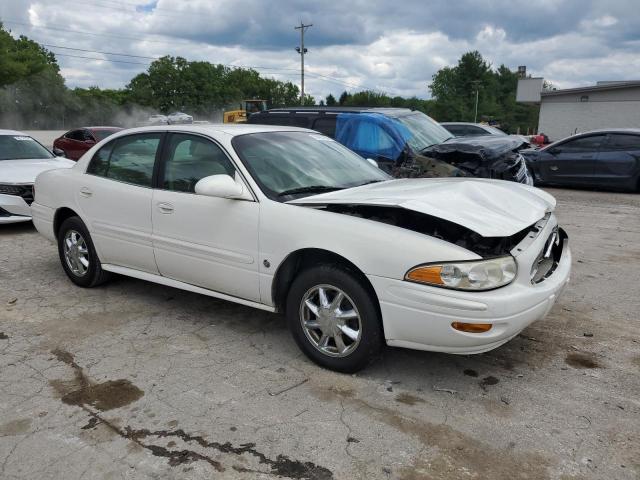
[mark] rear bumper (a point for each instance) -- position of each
(420, 317)
(14, 209)
(43, 220)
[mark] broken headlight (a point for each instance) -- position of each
(474, 275)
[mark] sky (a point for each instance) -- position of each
(388, 46)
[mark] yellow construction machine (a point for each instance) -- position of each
(247, 107)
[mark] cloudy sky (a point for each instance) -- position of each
(390, 46)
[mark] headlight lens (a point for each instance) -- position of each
(474, 275)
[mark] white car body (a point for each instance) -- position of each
(158, 119)
(164, 237)
(16, 182)
(179, 118)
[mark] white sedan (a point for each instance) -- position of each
(176, 118)
(21, 159)
(287, 220)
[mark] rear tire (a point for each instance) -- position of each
(78, 255)
(334, 318)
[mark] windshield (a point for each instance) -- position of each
(21, 147)
(424, 131)
(302, 163)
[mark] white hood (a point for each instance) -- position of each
(26, 171)
(492, 208)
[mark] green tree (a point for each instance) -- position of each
(331, 101)
(454, 95)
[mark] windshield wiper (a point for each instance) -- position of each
(309, 189)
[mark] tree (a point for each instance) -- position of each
(20, 58)
(454, 94)
(343, 98)
(331, 101)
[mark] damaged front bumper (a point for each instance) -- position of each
(420, 317)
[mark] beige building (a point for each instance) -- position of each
(574, 110)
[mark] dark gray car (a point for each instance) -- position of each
(602, 159)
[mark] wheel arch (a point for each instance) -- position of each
(60, 216)
(304, 258)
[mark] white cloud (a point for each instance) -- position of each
(367, 44)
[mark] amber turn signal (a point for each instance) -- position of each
(429, 274)
(472, 327)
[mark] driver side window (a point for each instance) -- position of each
(191, 158)
(581, 145)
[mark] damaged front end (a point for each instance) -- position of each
(486, 247)
(483, 157)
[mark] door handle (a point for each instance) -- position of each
(85, 192)
(553, 167)
(165, 207)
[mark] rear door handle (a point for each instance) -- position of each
(85, 192)
(553, 167)
(165, 207)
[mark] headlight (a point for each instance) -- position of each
(473, 275)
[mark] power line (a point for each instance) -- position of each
(275, 69)
(98, 51)
(100, 59)
(67, 30)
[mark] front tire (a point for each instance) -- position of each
(334, 318)
(78, 255)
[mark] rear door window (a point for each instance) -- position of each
(127, 159)
(623, 142)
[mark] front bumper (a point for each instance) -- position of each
(14, 209)
(419, 316)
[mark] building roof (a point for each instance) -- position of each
(592, 88)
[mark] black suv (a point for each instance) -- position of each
(407, 143)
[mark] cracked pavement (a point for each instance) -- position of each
(136, 380)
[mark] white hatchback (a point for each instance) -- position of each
(21, 159)
(288, 220)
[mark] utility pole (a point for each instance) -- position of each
(301, 50)
(476, 83)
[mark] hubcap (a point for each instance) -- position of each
(76, 253)
(330, 320)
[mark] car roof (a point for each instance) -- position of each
(12, 132)
(635, 131)
(466, 123)
(391, 111)
(231, 129)
(103, 128)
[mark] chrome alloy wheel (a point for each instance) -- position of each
(330, 320)
(76, 253)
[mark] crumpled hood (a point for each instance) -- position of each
(491, 146)
(491, 208)
(26, 171)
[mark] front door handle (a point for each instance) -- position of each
(553, 167)
(85, 192)
(165, 207)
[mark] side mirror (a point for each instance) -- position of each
(58, 152)
(221, 186)
(373, 162)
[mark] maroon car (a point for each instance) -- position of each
(74, 143)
